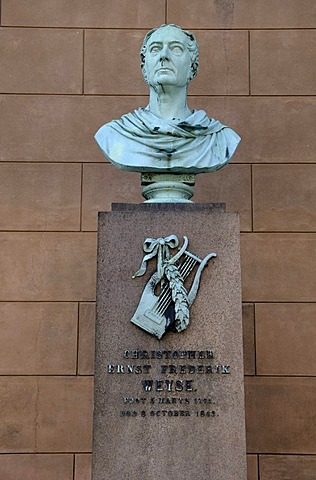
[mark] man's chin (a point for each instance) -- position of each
(165, 80)
(165, 77)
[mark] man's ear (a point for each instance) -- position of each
(191, 74)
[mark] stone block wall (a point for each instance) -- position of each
(67, 68)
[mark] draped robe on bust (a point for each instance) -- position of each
(143, 142)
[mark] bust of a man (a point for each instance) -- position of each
(166, 136)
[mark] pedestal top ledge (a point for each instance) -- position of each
(171, 207)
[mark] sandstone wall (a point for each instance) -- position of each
(66, 68)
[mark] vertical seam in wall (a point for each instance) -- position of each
(258, 466)
(249, 76)
(252, 196)
(166, 11)
(73, 467)
(255, 336)
(78, 334)
(81, 196)
(83, 59)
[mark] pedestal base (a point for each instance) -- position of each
(170, 408)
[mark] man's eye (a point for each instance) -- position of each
(177, 49)
(154, 49)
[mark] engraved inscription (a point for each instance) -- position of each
(168, 354)
(167, 383)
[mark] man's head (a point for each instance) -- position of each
(172, 46)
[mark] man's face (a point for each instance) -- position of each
(167, 59)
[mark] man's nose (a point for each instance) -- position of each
(164, 53)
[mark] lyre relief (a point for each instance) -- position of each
(165, 302)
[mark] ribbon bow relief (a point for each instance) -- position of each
(160, 247)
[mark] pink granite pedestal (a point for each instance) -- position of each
(190, 423)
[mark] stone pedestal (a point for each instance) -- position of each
(170, 408)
